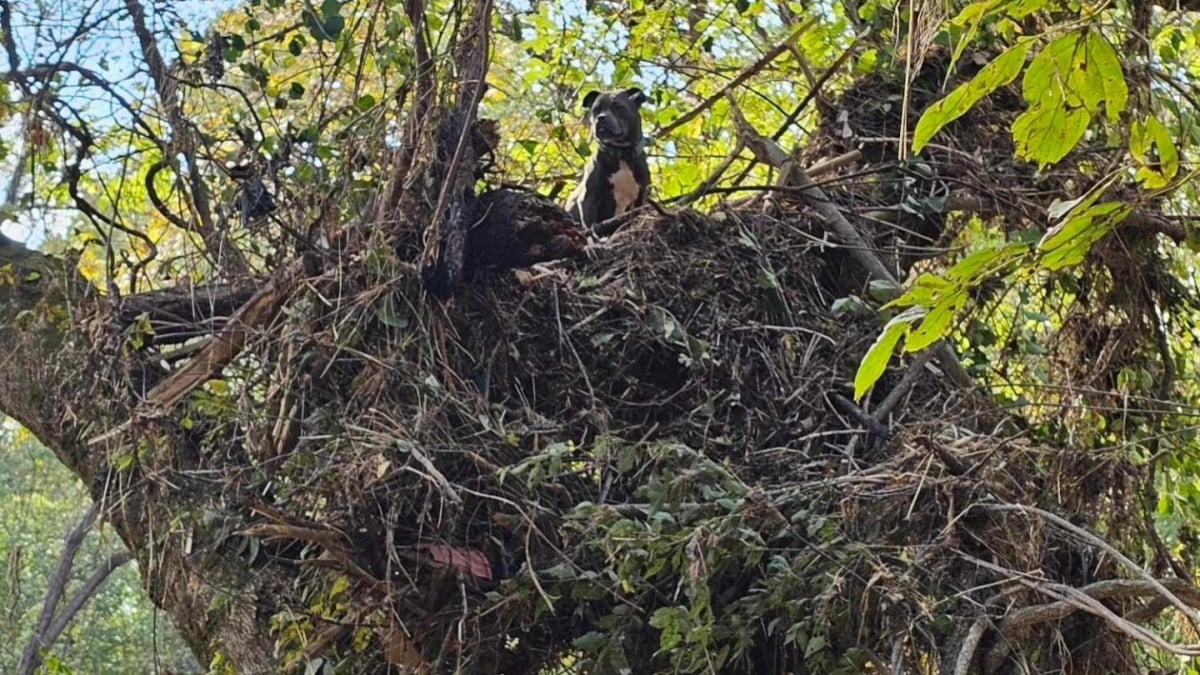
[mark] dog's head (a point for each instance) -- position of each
(616, 116)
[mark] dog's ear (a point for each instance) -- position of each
(635, 95)
(589, 98)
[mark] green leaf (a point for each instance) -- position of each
(1066, 85)
(984, 262)
(971, 17)
(326, 25)
(937, 324)
(1001, 71)
(1045, 134)
(591, 642)
(852, 306)
(1100, 77)
(673, 623)
(385, 310)
(1023, 8)
(1154, 173)
(926, 291)
(1048, 73)
(1068, 243)
(365, 102)
(883, 290)
(875, 362)
(666, 325)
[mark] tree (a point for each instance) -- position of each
(54, 619)
(285, 343)
(98, 620)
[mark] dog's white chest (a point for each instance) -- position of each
(624, 187)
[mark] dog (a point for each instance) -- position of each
(617, 176)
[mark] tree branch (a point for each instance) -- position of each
(55, 589)
(43, 641)
(754, 68)
(228, 256)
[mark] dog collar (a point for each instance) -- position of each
(625, 152)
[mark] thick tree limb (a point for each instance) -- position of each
(225, 345)
(445, 237)
(191, 305)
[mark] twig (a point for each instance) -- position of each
(1065, 524)
(746, 74)
(711, 181)
(1028, 617)
(910, 377)
(84, 594)
(57, 586)
(606, 228)
(184, 140)
(861, 252)
(818, 86)
(833, 163)
(847, 406)
(966, 653)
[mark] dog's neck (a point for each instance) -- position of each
(625, 152)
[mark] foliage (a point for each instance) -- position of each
(1073, 301)
(118, 631)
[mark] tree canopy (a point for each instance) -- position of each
(896, 373)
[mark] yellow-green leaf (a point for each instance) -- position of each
(1154, 173)
(1001, 71)
(970, 18)
(1048, 73)
(925, 291)
(936, 324)
(1102, 79)
(982, 263)
(875, 362)
(1046, 133)
(1068, 243)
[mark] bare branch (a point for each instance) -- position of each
(229, 258)
(56, 588)
(81, 598)
(746, 74)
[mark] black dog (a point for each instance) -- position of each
(617, 176)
